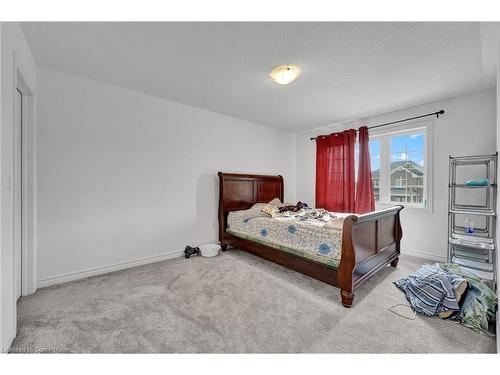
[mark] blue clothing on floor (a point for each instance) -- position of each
(431, 290)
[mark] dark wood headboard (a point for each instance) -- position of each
(242, 191)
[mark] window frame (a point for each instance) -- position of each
(384, 136)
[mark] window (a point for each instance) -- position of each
(399, 161)
(400, 182)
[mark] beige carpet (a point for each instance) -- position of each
(232, 303)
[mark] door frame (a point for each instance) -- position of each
(18, 189)
(28, 177)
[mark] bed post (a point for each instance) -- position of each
(347, 262)
(399, 235)
(221, 217)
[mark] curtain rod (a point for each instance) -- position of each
(441, 112)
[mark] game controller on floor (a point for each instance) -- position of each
(188, 251)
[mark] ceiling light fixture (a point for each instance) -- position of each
(285, 74)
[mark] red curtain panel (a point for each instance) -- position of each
(335, 171)
(365, 200)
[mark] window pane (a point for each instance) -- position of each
(407, 168)
(375, 167)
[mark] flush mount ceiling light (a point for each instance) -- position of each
(285, 74)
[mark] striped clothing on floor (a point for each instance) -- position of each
(431, 290)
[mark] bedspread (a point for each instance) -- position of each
(308, 238)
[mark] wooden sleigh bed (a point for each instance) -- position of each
(369, 241)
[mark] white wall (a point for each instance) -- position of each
(15, 57)
(468, 127)
(124, 176)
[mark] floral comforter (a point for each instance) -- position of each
(299, 235)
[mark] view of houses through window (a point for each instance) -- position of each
(407, 168)
(400, 160)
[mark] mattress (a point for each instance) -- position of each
(320, 242)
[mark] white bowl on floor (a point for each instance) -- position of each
(209, 250)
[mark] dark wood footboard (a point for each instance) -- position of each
(369, 242)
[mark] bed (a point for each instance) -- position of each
(367, 242)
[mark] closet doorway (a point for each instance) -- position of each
(21, 184)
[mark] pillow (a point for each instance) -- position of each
(275, 202)
(270, 210)
(254, 211)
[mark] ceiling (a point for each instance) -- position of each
(349, 70)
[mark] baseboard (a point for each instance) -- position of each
(158, 258)
(106, 269)
(423, 255)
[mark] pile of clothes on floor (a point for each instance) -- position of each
(451, 292)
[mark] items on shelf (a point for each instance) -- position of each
(469, 226)
(472, 214)
(479, 182)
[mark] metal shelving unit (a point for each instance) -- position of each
(476, 251)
